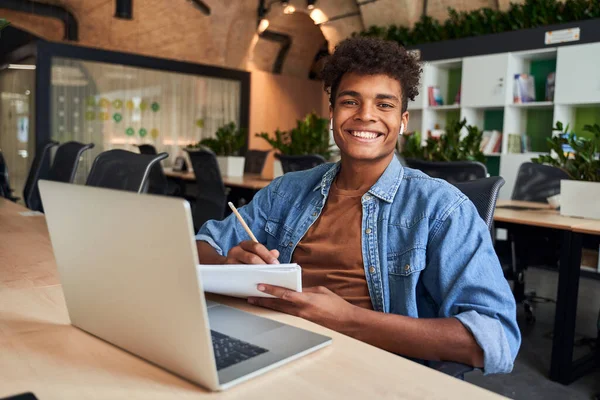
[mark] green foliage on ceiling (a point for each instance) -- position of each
(462, 24)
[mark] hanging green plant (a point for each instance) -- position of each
(118, 104)
(142, 132)
(129, 131)
(484, 21)
(155, 106)
(117, 117)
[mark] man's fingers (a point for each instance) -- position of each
(283, 293)
(261, 251)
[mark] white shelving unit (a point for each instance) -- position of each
(486, 84)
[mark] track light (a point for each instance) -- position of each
(263, 25)
(310, 4)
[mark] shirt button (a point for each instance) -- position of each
(368, 230)
(371, 269)
(290, 244)
(407, 267)
(367, 197)
(314, 214)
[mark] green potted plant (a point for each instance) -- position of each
(578, 157)
(309, 137)
(448, 147)
(228, 143)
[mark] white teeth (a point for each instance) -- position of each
(364, 135)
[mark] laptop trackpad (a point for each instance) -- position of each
(239, 324)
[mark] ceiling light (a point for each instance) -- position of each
(310, 4)
(284, 3)
(318, 16)
(21, 66)
(263, 25)
(289, 10)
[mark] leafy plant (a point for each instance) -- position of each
(3, 23)
(583, 163)
(461, 24)
(228, 141)
(310, 136)
(449, 147)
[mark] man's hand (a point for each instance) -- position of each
(249, 252)
(316, 304)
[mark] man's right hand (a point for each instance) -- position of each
(249, 252)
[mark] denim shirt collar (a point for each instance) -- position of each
(385, 188)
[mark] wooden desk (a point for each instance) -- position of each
(562, 367)
(41, 352)
(248, 181)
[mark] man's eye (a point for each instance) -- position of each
(386, 105)
(349, 102)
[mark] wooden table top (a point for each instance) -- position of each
(248, 181)
(42, 353)
(542, 215)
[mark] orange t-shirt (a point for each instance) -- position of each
(330, 253)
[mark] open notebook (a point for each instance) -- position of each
(242, 280)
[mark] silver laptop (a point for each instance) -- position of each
(127, 264)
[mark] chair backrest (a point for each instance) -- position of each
(211, 198)
(31, 193)
(483, 193)
(255, 161)
(451, 171)
(5, 190)
(123, 170)
(537, 182)
(300, 163)
(66, 160)
(147, 149)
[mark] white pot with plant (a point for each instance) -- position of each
(227, 144)
(310, 137)
(579, 197)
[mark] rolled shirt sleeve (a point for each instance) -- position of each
(464, 277)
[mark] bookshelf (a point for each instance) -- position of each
(486, 86)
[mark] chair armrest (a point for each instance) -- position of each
(454, 369)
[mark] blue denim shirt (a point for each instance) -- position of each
(426, 251)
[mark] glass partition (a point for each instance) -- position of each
(118, 107)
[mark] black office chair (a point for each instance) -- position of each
(451, 171)
(484, 194)
(300, 163)
(211, 197)
(123, 170)
(535, 182)
(31, 193)
(147, 149)
(66, 160)
(255, 161)
(5, 190)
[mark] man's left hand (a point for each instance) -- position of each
(317, 304)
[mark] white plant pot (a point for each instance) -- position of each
(580, 199)
(231, 166)
(277, 168)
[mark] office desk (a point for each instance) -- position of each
(562, 367)
(248, 181)
(42, 353)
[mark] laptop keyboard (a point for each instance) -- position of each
(229, 351)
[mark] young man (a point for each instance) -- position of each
(388, 255)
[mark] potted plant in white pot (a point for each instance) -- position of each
(309, 137)
(580, 196)
(228, 144)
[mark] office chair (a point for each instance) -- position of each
(255, 161)
(31, 193)
(484, 194)
(211, 197)
(535, 182)
(300, 163)
(147, 149)
(66, 160)
(123, 170)
(5, 190)
(451, 171)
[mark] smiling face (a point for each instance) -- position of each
(367, 115)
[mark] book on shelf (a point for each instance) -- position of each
(523, 89)
(514, 143)
(491, 142)
(550, 84)
(435, 96)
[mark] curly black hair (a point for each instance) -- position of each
(372, 56)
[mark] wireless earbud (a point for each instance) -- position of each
(331, 125)
(401, 129)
